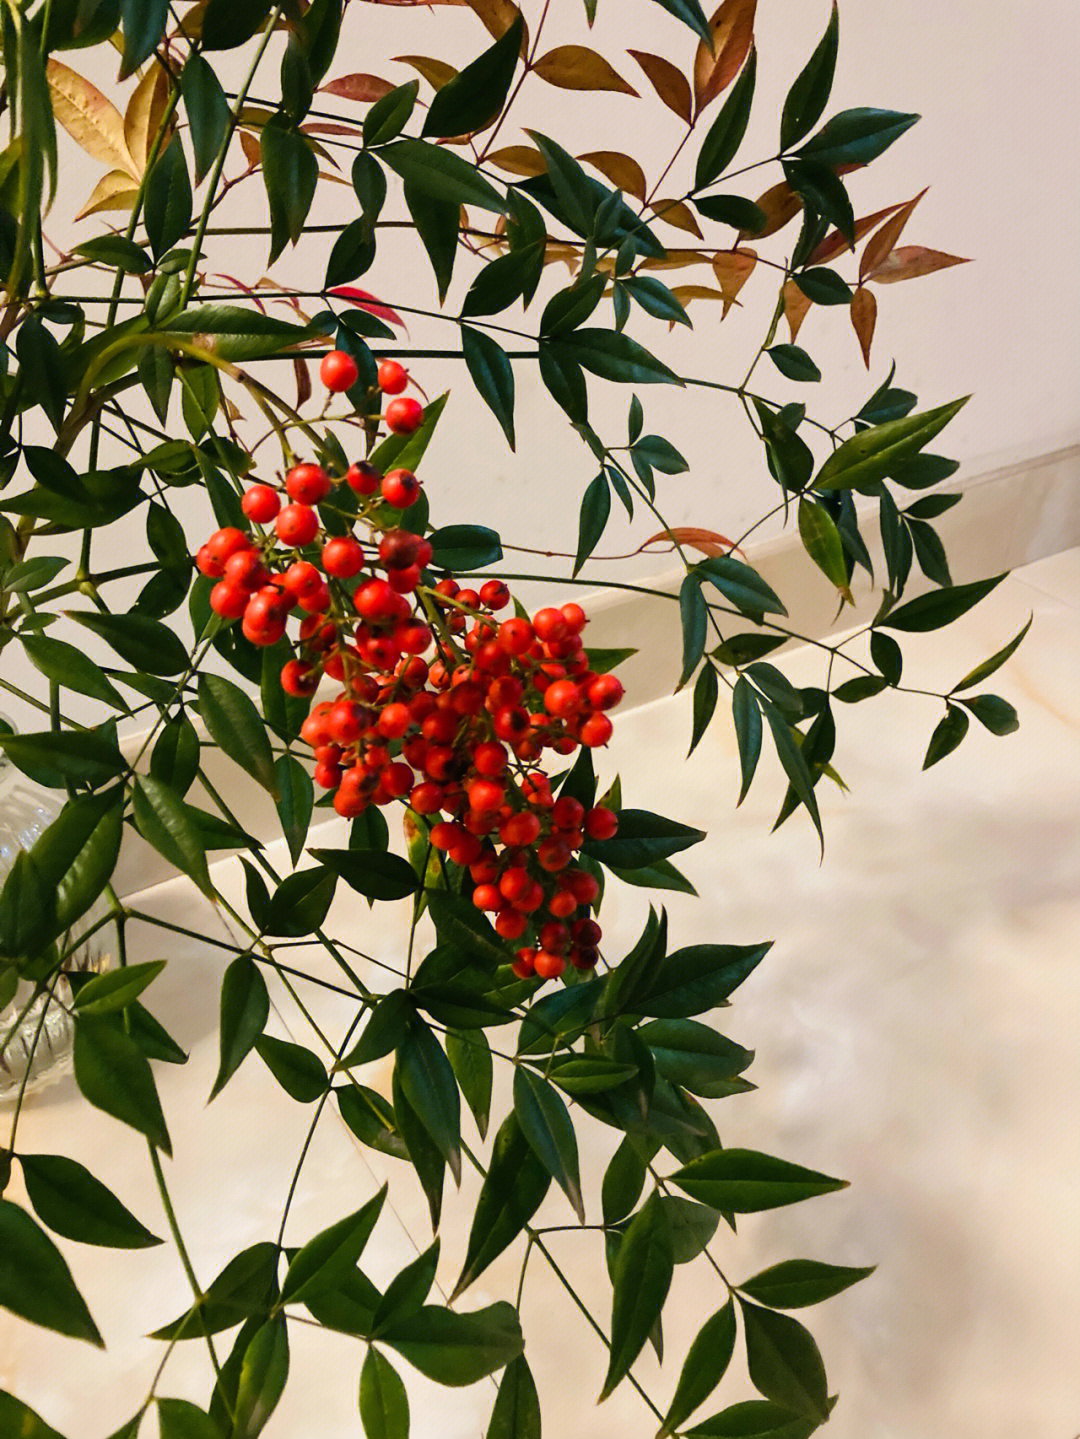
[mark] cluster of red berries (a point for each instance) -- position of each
(443, 705)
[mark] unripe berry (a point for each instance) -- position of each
(392, 377)
(297, 525)
(338, 371)
(261, 504)
(404, 416)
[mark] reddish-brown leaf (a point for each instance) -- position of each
(796, 306)
(668, 81)
(576, 67)
(836, 244)
(880, 245)
(781, 205)
(674, 212)
(328, 127)
(732, 269)
(732, 30)
(365, 89)
(623, 172)
(908, 262)
(707, 542)
(674, 259)
(863, 320)
(303, 381)
(250, 146)
(364, 300)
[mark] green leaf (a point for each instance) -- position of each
(429, 1086)
(569, 182)
(705, 1365)
(437, 223)
(726, 133)
(470, 1058)
(117, 251)
(465, 547)
(661, 874)
(733, 210)
(641, 1279)
(698, 978)
(939, 608)
(21, 1422)
(33, 574)
(207, 111)
(754, 1419)
(808, 96)
(290, 174)
(145, 643)
(742, 1181)
(168, 199)
(461, 925)
(371, 1119)
(27, 913)
(263, 1372)
(352, 255)
(793, 762)
(706, 694)
(595, 511)
(947, 735)
(741, 585)
(296, 798)
(785, 1364)
(421, 1149)
(384, 1030)
(546, 1124)
(370, 872)
(793, 362)
(384, 1404)
(299, 1072)
(861, 462)
(68, 756)
(694, 615)
(492, 375)
(822, 542)
(114, 1076)
(612, 356)
(245, 1008)
(862, 687)
(68, 1198)
(164, 821)
(324, 1261)
(746, 712)
(237, 728)
(996, 714)
(690, 13)
(458, 1349)
(797, 1283)
(115, 988)
(227, 24)
(439, 174)
(476, 94)
(642, 838)
(823, 286)
(694, 1056)
(179, 1419)
(516, 1414)
(35, 1282)
(144, 26)
(855, 137)
(389, 116)
(656, 299)
(77, 854)
(243, 1290)
(513, 1191)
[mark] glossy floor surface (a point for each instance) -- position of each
(917, 1027)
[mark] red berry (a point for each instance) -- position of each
(398, 549)
(375, 600)
(363, 478)
(327, 776)
(485, 794)
(414, 639)
(486, 896)
(397, 779)
(601, 823)
(520, 829)
(426, 798)
(562, 905)
(226, 542)
(554, 936)
(568, 812)
(404, 416)
(229, 600)
(308, 484)
(587, 933)
(605, 692)
(302, 579)
(489, 759)
(581, 885)
(261, 504)
(404, 581)
(548, 966)
(549, 624)
(494, 595)
(575, 618)
(395, 720)
(511, 723)
(298, 678)
(297, 525)
(316, 601)
(343, 557)
(562, 698)
(400, 488)
(514, 883)
(245, 569)
(510, 925)
(207, 565)
(392, 377)
(338, 371)
(553, 854)
(523, 965)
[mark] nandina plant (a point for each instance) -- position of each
(321, 618)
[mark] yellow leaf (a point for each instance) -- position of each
(114, 191)
(796, 306)
(732, 29)
(881, 245)
(92, 121)
(436, 72)
(623, 172)
(144, 111)
(863, 320)
(519, 160)
(674, 212)
(365, 89)
(576, 67)
(674, 260)
(908, 262)
(497, 17)
(668, 81)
